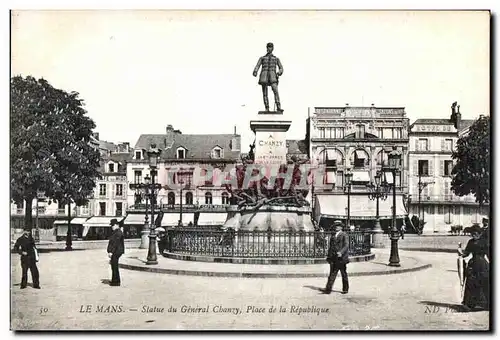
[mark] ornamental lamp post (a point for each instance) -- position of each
(347, 189)
(153, 156)
(394, 160)
(378, 191)
(141, 191)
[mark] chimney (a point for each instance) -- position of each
(459, 118)
(235, 130)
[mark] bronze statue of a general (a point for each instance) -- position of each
(269, 76)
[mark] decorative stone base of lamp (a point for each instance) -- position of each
(152, 258)
(144, 239)
(378, 236)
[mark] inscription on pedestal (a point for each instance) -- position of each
(270, 147)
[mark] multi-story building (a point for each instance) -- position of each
(202, 200)
(355, 140)
(110, 193)
(90, 221)
(432, 142)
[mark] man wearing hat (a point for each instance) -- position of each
(25, 246)
(116, 248)
(338, 258)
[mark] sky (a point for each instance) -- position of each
(139, 71)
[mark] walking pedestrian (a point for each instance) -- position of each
(116, 248)
(476, 292)
(338, 258)
(25, 246)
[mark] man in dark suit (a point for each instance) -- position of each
(25, 246)
(338, 258)
(116, 248)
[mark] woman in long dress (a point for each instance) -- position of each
(476, 291)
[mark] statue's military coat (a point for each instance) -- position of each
(268, 74)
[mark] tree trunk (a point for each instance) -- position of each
(69, 234)
(28, 213)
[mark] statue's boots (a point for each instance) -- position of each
(278, 107)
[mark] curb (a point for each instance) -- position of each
(431, 250)
(264, 275)
(266, 261)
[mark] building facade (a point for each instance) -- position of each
(355, 140)
(432, 142)
(182, 171)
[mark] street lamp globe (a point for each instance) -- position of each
(377, 178)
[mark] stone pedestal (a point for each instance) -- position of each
(270, 138)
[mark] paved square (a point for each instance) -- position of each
(72, 285)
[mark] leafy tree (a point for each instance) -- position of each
(471, 174)
(50, 145)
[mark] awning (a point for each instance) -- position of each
(331, 154)
(361, 207)
(212, 219)
(79, 220)
(360, 154)
(101, 221)
(172, 219)
(135, 219)
(360, 176)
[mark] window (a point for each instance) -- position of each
(119, 190)
(217, 153)
(340, 179)
(102, 208)
(448, 168)
(440, 209)
(183, 177)
(396, 133)
(382, 158)
(208, 198)
(339, 132)
(423, 168)
(137, 176)
(171, 198)
(380, 133)
(448, 145)
(447, 214)
(102, 189)
(321, 132)
(387, 133)
(111, 167)
(84, 209)
(181, 153)
(423, 144)
(360, 131)
(119, 209)
(189, 198)
(138, 155)
(359, 159)
(225, 198)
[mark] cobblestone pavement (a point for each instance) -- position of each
(71, 281)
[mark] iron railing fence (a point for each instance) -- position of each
(259, 244)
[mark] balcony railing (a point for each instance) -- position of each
(276, 244)
(442, 198)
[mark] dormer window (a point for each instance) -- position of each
(138, 154)
(217, 152)
(181, 153)
(111, 167)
